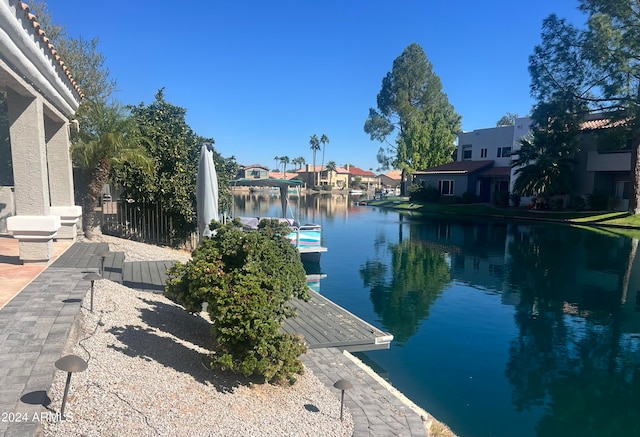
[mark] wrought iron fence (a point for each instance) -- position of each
(144, 222)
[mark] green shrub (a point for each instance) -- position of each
(515, 199)
(578, 203)
(501, 198)
(449, 200)
(425, 194)
(468, 197)
(247, 278)
(597, 201)
(557, 204)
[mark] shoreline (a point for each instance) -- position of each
(433, 426)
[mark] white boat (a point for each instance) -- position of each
(306, 238)
(356, 192)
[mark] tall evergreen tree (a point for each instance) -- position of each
(411, 104)
(593, 69)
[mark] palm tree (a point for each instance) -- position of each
(315, 146)
(331, 167)
(109, 136)
(277, 160)
(299, 161)
(543, 167)
(324, 140)
(284, 160)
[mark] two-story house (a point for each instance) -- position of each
(482, 165)
(322, 177)
(364, 178)
(484, 157)
(253, 171)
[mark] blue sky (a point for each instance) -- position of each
(261, 77)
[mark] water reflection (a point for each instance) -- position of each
(578, 349)
(544, 317)
(403, 291)
(311, 207)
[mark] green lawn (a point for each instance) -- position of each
(614, 222)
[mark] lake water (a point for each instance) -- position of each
(501, 329)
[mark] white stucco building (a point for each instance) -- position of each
(41, 98)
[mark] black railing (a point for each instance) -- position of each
(144, 222)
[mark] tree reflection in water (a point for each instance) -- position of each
(403, 291)
(572, 355)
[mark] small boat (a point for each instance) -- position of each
(306, 238)
(356, 192)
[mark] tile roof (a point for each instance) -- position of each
(355, 171)
(320, 168)
(456, 167)
(393, 174)
(496, 172)
(602, 123)
(279, 175)
(39, 32)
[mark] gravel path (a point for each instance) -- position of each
(148, 374)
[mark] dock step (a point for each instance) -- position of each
(146, 275)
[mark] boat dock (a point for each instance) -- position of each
(320, 322)
(323, 324)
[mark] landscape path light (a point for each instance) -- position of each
(102, 255)
(342, 385)
(69, 364)
(92, 277)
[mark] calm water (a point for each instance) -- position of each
(501, 329)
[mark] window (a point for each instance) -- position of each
(466, 152)
(503, 152)
(483, 153)
(445, 188)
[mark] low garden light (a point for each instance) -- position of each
(92, 277)
(342, 385)
(69, 364)
(102, 256)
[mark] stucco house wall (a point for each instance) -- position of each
(491, 143)
(41, 98)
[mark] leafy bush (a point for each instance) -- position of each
(597, 201)
(449, 200)
(468, 197)
(501, 198)
(246, 277)
(578, 203)
(426, 194)
(515, 199)
(557, 204)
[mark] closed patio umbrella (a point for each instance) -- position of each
(206, 191)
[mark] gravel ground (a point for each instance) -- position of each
(148, 374)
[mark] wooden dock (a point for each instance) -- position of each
(320, 322)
